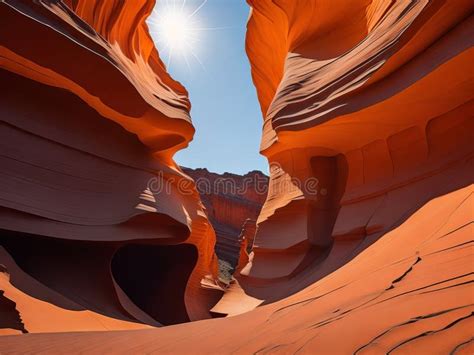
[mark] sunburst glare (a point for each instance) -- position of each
(177, 30)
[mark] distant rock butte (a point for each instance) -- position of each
(230, 201)
(364, 243)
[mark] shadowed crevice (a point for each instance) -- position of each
(155, 278)
(9, 315)
(152, 276)
(78, 270)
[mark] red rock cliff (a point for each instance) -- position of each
(230, 200)
(90, 236)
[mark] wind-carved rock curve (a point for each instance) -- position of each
(90, 123)
(355, 105)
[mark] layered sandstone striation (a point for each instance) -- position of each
(368, 109)
(95, 234)
(366, 233)
(230, 201)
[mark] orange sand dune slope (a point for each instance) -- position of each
(410, 291)
(95, 233)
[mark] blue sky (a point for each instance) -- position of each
(225, 109)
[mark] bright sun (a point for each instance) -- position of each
(176, 28)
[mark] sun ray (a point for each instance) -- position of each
(170, 53)
(197, 59)
(178, 31)
(197, 9)
(187, 62)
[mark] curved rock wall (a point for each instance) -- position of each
(95, 232)
(367, 116)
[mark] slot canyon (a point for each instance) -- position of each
(358, 242)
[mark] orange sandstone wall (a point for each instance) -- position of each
(371, 102)
(90, 121)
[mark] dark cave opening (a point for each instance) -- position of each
(78, 270)
(155, 277)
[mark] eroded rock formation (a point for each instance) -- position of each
(95, 234)
(365, 121)
(246, 239)
(364, 244)
(230, 200)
